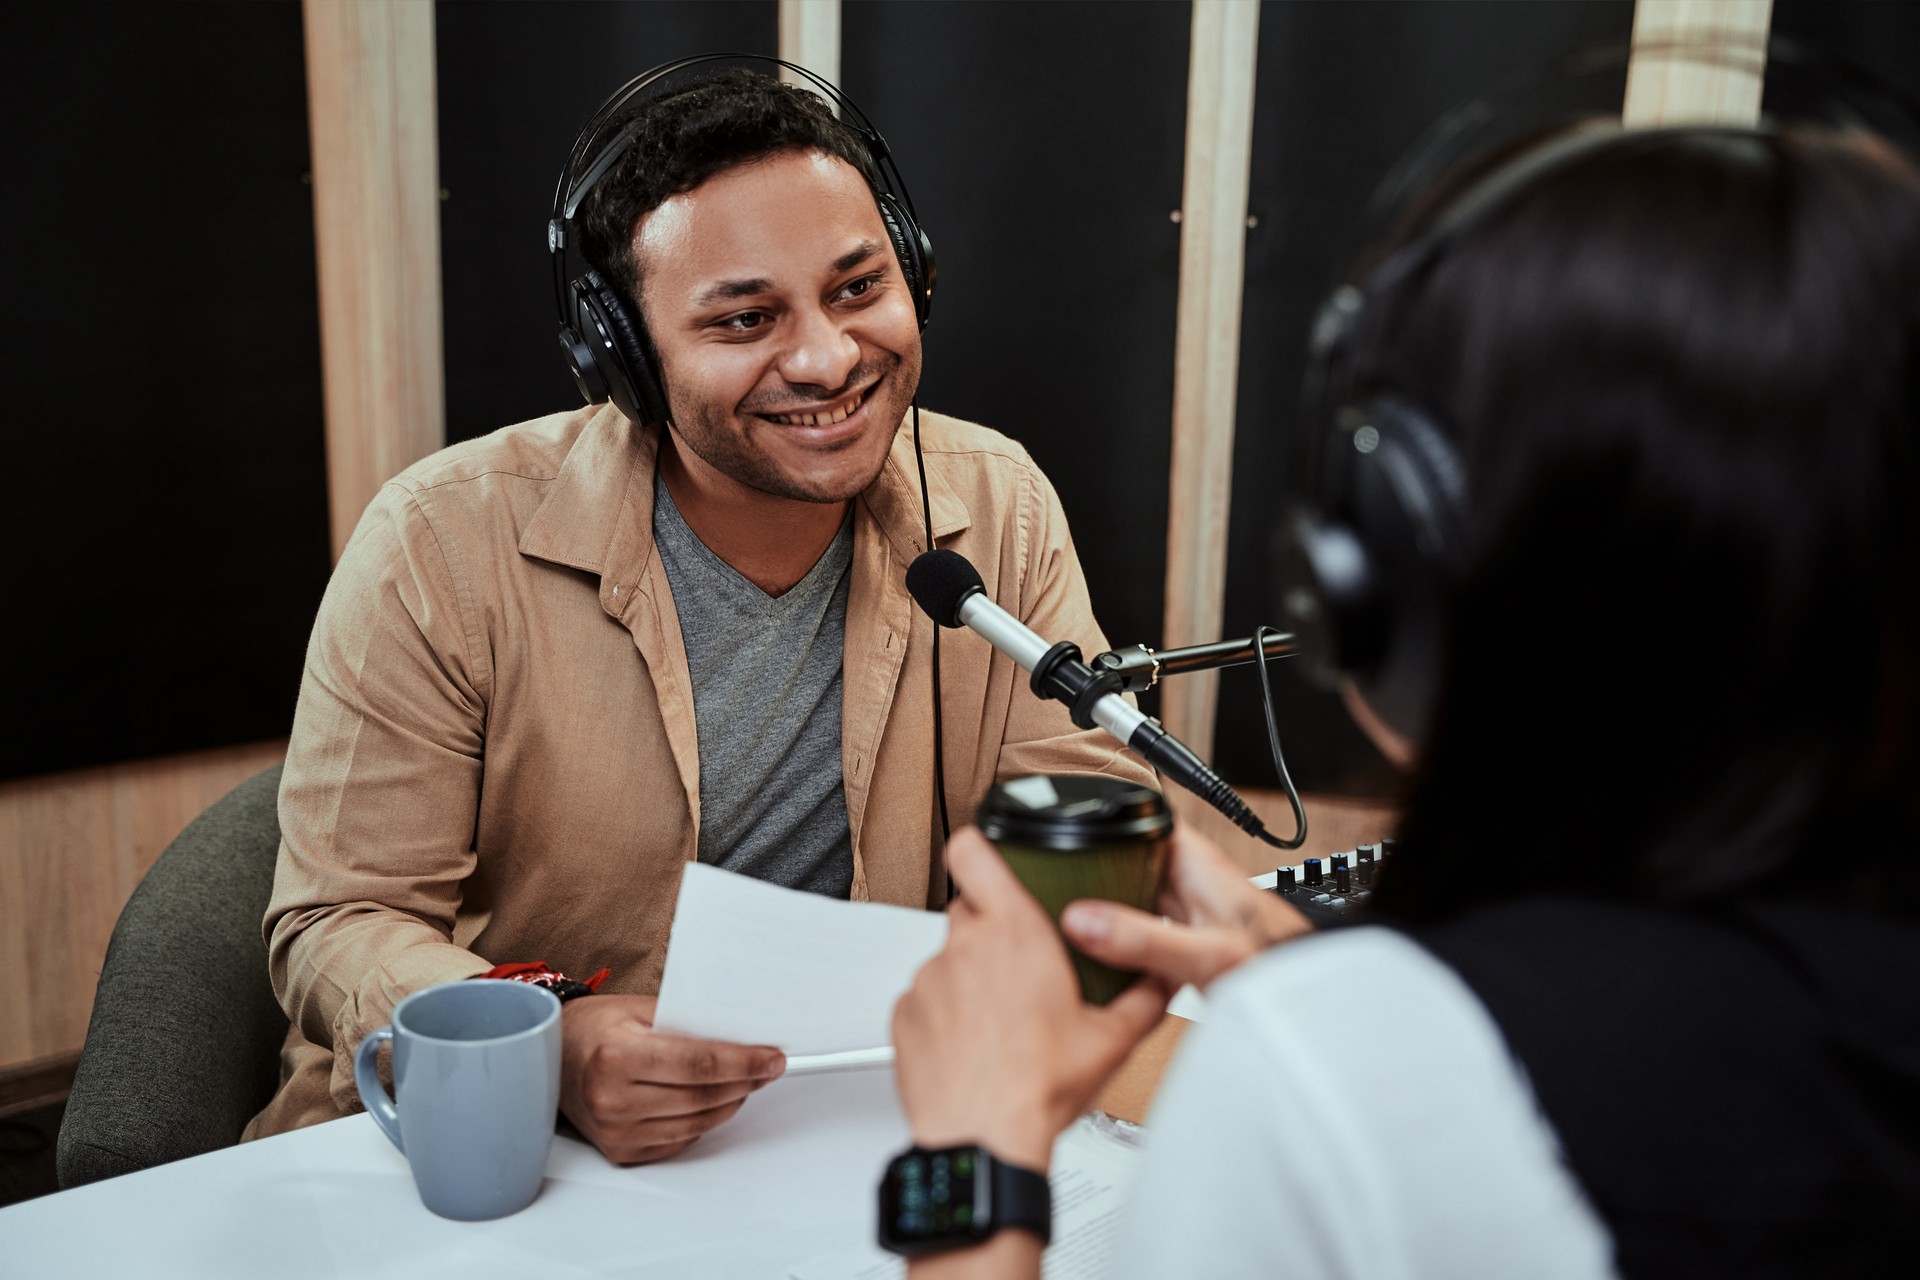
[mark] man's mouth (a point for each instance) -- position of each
(826, 417)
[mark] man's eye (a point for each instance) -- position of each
(745, 322)
(861, 287)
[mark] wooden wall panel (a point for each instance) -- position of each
(810, 36)
(72, 847)
(376, 205)
(1213, 230)
(1665, 90)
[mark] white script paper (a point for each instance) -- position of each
(753, 963)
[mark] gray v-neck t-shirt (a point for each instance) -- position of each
(766, 702)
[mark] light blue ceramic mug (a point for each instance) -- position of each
(476, 1082)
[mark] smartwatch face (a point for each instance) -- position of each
(933, 1195)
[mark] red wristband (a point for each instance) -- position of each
(536, 973)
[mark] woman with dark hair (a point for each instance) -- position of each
(1642, 991)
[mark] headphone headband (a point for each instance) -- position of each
(572, 190)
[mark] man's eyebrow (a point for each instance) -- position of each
(728, 290)
(731, 290)
(855, 256)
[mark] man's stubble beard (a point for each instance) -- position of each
(707, 431)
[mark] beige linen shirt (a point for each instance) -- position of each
(494, 756)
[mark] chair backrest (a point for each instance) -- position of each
(184, 1042)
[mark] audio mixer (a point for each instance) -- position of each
(1331, 890)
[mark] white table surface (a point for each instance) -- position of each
(789, 1178)
(788, 1186)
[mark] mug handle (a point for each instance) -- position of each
(373, 1094)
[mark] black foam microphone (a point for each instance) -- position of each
(948, 589)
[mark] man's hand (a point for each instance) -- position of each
(641, 1096)
(1213, 920)
(993, 1044)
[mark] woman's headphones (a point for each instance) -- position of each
(1377, 524)
(606, 346)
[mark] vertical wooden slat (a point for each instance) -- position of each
(1213, 229)
(1670, 90)
(19, 849)
(810, 36)
(376, 205)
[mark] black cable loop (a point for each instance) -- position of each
(1273, 740)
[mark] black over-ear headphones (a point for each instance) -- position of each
(1378, 520)
(605, 344)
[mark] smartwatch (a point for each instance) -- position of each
(958, 1196)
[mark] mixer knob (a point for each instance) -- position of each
(1342, 879)
(1283, 880)
(1339, 862)
(1312, 866)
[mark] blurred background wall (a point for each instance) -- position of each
(1136, 208)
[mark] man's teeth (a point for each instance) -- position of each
(818, 419)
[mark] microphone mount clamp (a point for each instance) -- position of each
(1138, 668)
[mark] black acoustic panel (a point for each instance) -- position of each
(516, 82)
(1880, 37)
(1043, 144)
(167, 518)
(1343, 91)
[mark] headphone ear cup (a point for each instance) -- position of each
(1330, 597)
(1432, 484)
(586, 370)
(620, 348)
(1405, 496)
(1367, 564)
(915, 252)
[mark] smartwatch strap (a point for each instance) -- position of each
(1021, 1198)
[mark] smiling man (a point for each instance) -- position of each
(559, 662)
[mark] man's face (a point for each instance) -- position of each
(785, 330)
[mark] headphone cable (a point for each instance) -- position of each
(939, 745)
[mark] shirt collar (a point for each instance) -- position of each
(598, 514)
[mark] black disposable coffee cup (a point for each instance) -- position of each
(1073, 836)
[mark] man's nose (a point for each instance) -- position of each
(822, 353)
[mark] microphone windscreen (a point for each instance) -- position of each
(939, 581)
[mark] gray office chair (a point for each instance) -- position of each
(184, 1043)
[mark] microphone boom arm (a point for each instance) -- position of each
(1140, 668)
(949, 591)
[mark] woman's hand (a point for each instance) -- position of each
(1213, 920)
(993, 1043)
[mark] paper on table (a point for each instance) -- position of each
(753, 963)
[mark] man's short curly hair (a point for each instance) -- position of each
(692, 133)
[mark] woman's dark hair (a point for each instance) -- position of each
(694, 132)
(1683, 651)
